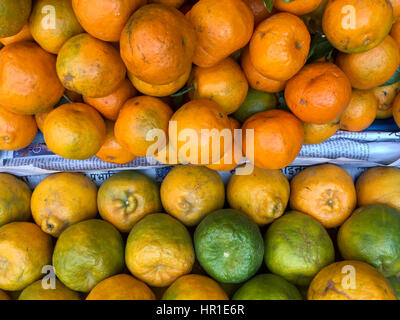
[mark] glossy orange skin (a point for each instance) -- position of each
(23, 35)
(40, 118)
(373, 68)
(173, 3)
(224, 83)
(317, 133)
(279, 46)
(187, 117)
(63, 199)
(396, 110)
(278, 139)
(385, 96)
(109, 106)
(137, 117)
(297, 7)
(256, 79)
(158, 44)
(222, 27)
(370, 283)
(90, 66)
(74, 131)
(66, 24)
(319, 93)
(195, 287)
(121, 287)
(259, 9)
(105, 19)
(17, 131)
(160, 90)
(372, 18)
(325, 192)
(111, 150)
(361, 111)
(28, 79)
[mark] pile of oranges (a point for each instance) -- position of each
(131, 67)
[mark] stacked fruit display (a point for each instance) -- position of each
(281, 73)
(272, 240)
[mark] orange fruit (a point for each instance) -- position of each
(189, 193)
(380, 185)
(4, 296)
(37, 292)
(259, 9)
(325, 192)
(361, 111)
(224, 83)
(396, 9)
(317, 133)
(167, 155)
(385, 96)
(49, 37)
(159, 250)
(15, 199)
(187, 138)
(160, 90)
(173, 3)
(297, 7)
(278, 139)
(373, 68)
(73, 96)
(354, 26)
(127, 197)
(158, 44)
(312, 94)
(63, 199)
(111, 150)
(350, 280)
(23, 35)
(17, 131)
(74, 131)
(195, 287)
(263, 195)
(121, 287)
(256, 79)
(109, 106)
(395, 32)
(105, 19)
(396, 110)
(28, 79)
(279, 46)
(222, 27)
(24, 250)
(41, 117)
(90, 66)
(137, 117)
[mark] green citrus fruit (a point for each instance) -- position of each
(372, 235)
(87, 253)
(395, 283)
(256, 101)
(159, 250)
(15, 199)
(267, 287)
(36, 291)
(297, 247)
(229, 246)
(13, 16)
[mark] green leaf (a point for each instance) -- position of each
(320, 47)
(182, 92)
(269, 4)
(394, 79)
